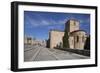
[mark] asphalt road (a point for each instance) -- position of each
(39, 53)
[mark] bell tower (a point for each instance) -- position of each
(71, 25)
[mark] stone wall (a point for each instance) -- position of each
(79, 39)
(56, 38)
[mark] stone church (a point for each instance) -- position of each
(76, 38)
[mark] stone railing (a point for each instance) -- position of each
(81, 52)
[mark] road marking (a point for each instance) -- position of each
(52, 54)
(25, 50)
(34, 56)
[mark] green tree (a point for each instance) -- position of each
(87, 43)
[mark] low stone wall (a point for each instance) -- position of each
(81, 52)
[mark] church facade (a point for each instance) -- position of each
(75, 37)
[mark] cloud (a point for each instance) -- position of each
(85, 21)
(41, 21)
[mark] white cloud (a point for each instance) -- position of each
(84, 21)
(42, 21)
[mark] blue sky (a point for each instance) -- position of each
(38, 24)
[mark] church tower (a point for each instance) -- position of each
(71, 25)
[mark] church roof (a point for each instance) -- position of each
(78, 31)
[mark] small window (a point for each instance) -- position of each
(74, 23)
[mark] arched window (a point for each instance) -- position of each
(83, 38)
(77, 39)
(74, 23)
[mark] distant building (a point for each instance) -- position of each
(76, 38)
(29, 40)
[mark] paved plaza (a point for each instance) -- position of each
(40, 53)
